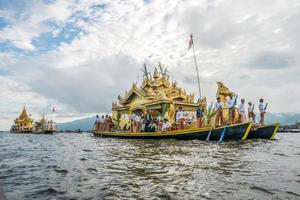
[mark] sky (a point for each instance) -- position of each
(79, 55)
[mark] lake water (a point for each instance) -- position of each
(78, 166)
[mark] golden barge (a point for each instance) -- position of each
(162, 98)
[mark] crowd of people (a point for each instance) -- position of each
(139, 122)
(240, 109)
(103, 123)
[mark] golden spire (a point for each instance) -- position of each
(155, 74)
(23, 114)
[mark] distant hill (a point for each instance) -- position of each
(86, 124)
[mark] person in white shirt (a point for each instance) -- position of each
(152, 127)
(166, 125)
(231, 108)
(97, 123)
(180, 117)
(251, 114)
(242, 111)
(132, 123)
(138, 122)
(219, 115)
(102, 123)
(262, 110)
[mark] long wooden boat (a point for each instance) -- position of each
(232, 132)
(265, 132)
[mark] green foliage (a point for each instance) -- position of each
(210, 113)
(145, 72)
(38, 125)
(164, 110)
(117, 121)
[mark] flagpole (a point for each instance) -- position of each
(198, 79)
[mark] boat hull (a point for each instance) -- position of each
(232, 132)
(21, 131)
(45, 132)
(265, 132)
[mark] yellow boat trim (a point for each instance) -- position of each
(275, 131)
(247, 131)
(166, 133)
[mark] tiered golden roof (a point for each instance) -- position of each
(24, 120)
(155, 91)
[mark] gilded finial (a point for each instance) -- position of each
(155, 74)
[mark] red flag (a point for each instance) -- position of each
(190, 42)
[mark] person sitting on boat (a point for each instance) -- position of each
(147, 119)
(166, 125)
(242, 111)
(97, 123)
(152, 127)
(199, 116)
(132, 122)
(262, 110)
(219, 115)
(231, 109)
(180, 117)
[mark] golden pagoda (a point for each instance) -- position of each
(156, 94)
(23, 123)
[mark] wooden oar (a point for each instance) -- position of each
(225, 127)
(266, 107)
(208, 136)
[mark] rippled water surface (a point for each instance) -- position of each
(78, 166)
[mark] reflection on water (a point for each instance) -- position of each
(77, 166)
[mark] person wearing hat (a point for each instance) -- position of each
(219, 115)
(180, 117)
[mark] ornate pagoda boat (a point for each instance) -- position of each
(44, 126)
(163, 98)
(22, 124)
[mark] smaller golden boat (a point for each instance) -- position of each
(44, 126)
(22, 124)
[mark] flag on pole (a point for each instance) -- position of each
(190, 42)
(53, 110)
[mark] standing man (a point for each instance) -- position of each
(231, 109)
(219, 115)
(242, 111)
(251, 112)
(262, 110)
(147, 119)
(138, 122)
(102, 123)
(180, 118)
(199, 116)
(132, 122)
(97, 123)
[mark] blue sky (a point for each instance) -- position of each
(79, 55)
